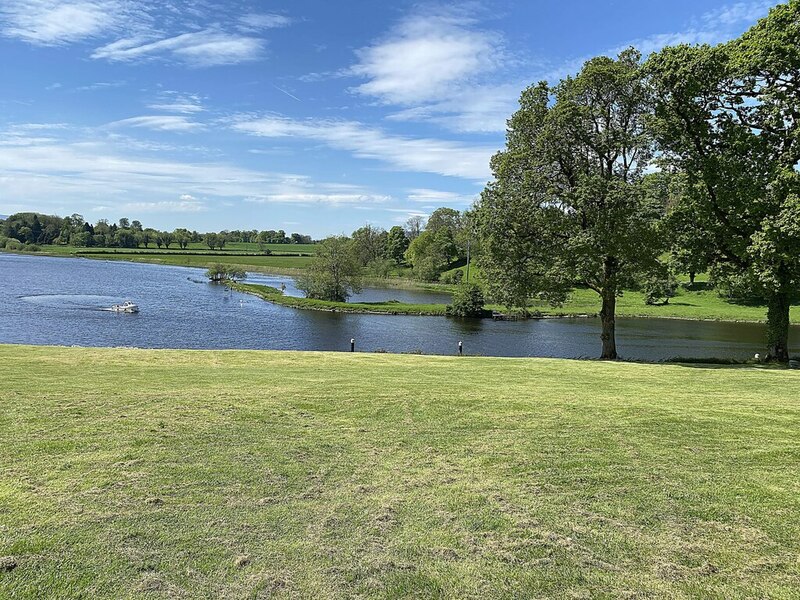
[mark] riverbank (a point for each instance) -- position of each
(274, 295)
(128, 473)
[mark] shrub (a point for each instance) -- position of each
(380, 268)
(468, 301)
(13, 244)
(452, 277)
(658, 290)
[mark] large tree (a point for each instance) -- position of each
(729, 117)
(567, 206)
(334, 272)
(396, 244)
(369, 243)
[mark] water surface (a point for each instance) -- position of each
(49, 300)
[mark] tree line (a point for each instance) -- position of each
(694, 152)
(23, 230)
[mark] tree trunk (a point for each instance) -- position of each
(778, 327)
(691, 277)
(607, 319)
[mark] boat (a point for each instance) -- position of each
(126, 307)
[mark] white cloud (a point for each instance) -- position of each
(437, 196)
(53, 22)
(422, 155)
(255, 22)
(306, 197)
(740, 12)
(201, 48)
(714, 27)
(425, 57)
(165, 206)
(178, 103)
(160, 123)
(41, 173)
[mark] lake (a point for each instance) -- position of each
(60, 301)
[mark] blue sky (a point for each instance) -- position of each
(311, 116)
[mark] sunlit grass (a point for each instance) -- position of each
(133, 473)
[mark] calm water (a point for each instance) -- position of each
(60, 301)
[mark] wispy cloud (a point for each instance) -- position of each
(165, 206)
(425, 56)
(53, 22)
(195, 33)
(713, 27)
(256, 22)
(160, 123)
(437, 196)
(201, 48)
(176, 102)
(422, 155)
(37, 171)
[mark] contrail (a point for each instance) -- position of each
(287, 93)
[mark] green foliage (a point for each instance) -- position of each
(568, 203)
(727, 116)
(380, 268)
(396, 244)
(219, 272)
(13, 244)
(659, 289)
(452, 277)
(430, 253)
(468, 301)
(334, 272)
(369, 244)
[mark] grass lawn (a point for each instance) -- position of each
(688, 304)
(272, 264)
(135, 473)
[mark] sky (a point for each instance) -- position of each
(304, 115)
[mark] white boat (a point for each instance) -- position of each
(126, 307)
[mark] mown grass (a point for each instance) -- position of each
(391, 307)
(699, 303)
(151, 474)
(271, 264)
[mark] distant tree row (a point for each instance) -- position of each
(34, 228)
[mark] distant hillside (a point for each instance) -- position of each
(3, 217)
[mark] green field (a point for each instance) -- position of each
(153, 474)
(688, 304)
(230, 248)
(272, 264)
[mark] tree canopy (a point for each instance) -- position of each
(728, 117)
(567, 205)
